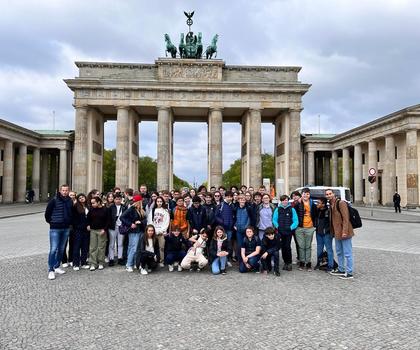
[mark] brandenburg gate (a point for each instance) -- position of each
(187, 90)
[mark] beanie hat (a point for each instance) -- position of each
(137, 198)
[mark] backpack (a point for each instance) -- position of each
(354, 216)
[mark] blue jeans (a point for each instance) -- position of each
(240, 235)
(254, 261)
(172, 257)
(218, 264)
(344, 250)
(321, 241)
(133, 241)
(58, 240)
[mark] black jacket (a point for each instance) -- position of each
(143, 252)
(196, 217)
(59, 212)
(97, 218)
(300, 211)
(79, 220)
(213, 249)
(270, 246)
(130, 216)
(210, 210)
(112, 215)
(176, 244)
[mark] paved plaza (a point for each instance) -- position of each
(112, 309)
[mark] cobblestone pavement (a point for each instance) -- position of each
(112, 309)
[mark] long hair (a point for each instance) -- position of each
(80, 207)
(215, 232)
(146, 237)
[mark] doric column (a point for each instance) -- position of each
(163, 149)
(36, 162)
(311, 168)
(326, 171)
(8, 172)
(21, 173)
(215, 150)
(388, 176)
(412, 169)
(295, 159)
(133, 180)
(122, 149)
(63, 167)
(373, 163)
(44, 176)
(53, 175)
(358, 174)
(346, 167)
(80, 166)
(334, 169)
(255, 169)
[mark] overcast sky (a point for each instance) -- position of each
(362, 59)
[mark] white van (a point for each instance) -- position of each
(319, 191)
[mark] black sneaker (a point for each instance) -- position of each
(347, 276)
(121, 262)
(309, 267)
(337, 273)
(289, 267)
(234, 259)
(285, 267)
(223, 272)
(277, 273)
(111, 263)
(301, 266)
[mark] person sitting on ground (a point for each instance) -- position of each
(175, 248)
(148, 255)
(250, 252)
(270, 246)
(196, 252)
(219, 251)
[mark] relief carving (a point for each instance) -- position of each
(412, 180)
(189, 72)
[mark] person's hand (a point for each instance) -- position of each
(248, 266)
(88, 228)
(155, 257)
(264, 255)
(344, 235)
(133, 226)
(195, 231)
(138, 222)
(102, 232)
(219, 254)
(245, 260)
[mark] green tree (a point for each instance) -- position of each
(232, 176)
(109, 170)
(148, 172)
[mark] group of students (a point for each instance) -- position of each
(190, 229)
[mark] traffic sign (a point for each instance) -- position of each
(372, 171)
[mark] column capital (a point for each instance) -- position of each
(163, 108)
(216, 109)
(122, 107)
(295, 110)
(255, 109)
(80, 106)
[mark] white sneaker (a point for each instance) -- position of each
(161, 264)
(129, 269)
(229, 264)
(107, 260)
(171, 268)
(59, 271)
(175, 264)
(51, 275)
(198, 269)
(100, 267)
(179, 268)
(92, 268)
(65, 265)
(85, 267)
(71, 264)
(143, 271)
(76, 268)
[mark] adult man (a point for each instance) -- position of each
(196, 216)
(342, 230)
(397, 200)
(59, 215)
(144, 193)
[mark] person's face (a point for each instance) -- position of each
(143, 189)
(187, 200)
(241, 201)
(208, 200)
(228, 199)
(153, 196)
(285, 202)
(261, 190)
(196, 204)
(251, 190)
(306, 196)
(117, 191)
(180, 202)
(222, 191)
(159, 202)
(201, 195)
(249, 233)
(176, 233)
(150, 231)
(82, 199)
(295, 197)
(110, 198)
(217, 196)
(72, 195)
(176, 194)
(235, 196)
(117, 200)
(219, 233)
(192, 192)
(247, 197)
(166, 197)
(183, 192)
(329, 195)
(257, 199)
(270, 236)
(94, 203)
(203, 190)
(212, 190)
(204, 236)
(320, 205)
(64, 191)
(266, 199)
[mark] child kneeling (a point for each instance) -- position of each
(149, 252)
(250, 252)
(175, 248)
(219, 251)
(270, 251)
(196, 252)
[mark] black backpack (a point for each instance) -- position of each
(354, 216)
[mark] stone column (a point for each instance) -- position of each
(122, 149)
(22, 161)
(63, 167)
(36, 162)
(334, 169)
(373, 163)
(326, 171)
(163, 149)
(311, 168)
(44, 176)
(295, 159)
(388, 176)
(80, 166)
(8, 172)
(412, 169)
(358, 174)
(215, 150)
(255, 168)
(346, 167)
(53, 175)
